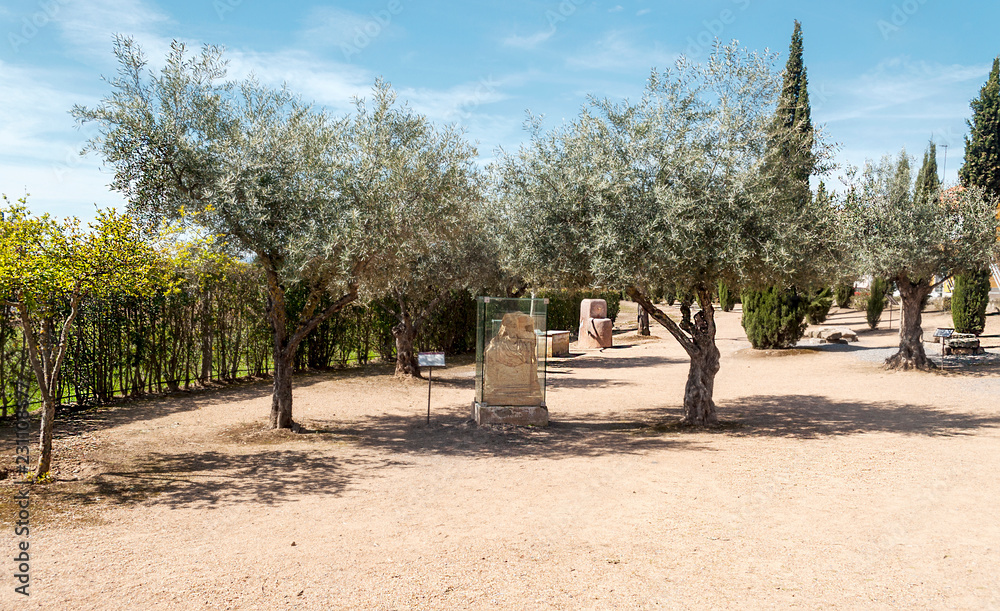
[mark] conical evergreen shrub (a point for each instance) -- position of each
(969, 300)
(773, 317)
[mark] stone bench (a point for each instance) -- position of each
(962, 343)
(557, 343)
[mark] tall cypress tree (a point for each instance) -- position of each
(982, 145)
(777, 320)
(794, 136)
(928, 183)
(981, 169)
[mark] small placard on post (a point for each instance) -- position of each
(430, 359)
(944, 332)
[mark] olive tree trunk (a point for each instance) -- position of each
(911, 353)
(405, 334)
(697, 337)
(285, 343)
(411, 318)
(643, 321)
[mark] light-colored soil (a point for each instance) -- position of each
(831, 484)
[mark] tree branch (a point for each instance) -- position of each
(661, 317)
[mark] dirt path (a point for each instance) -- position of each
(832, 483)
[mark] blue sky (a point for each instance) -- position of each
(883, 74)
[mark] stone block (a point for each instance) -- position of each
(505, 414)
(557, 343)
(595, 333)
(593, 308)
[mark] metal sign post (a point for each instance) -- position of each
(430, 360)
(945, 335)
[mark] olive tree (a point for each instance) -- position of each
(47, 269)
(321, 203)
(674, 189)
(461, 255)
(916, 241)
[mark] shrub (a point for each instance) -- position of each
(969, 300)
(819, 306)
(842, 295)
(876, 301)
(670, 295)
(727, 299)
(774, 317)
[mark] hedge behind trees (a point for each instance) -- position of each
(194, 332)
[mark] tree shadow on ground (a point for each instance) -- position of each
(598, 361)
(812, 417)
(212, 479)
(452, 433)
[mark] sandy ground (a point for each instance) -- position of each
(831, 484)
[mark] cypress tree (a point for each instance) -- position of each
(773, 320)
(980, 169)
(982, 145)
(928, 183)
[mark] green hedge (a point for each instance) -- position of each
(563, 313)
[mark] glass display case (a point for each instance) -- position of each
(510, 355)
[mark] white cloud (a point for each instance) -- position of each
(88, 27)
(616, 9)
(335, 27)
(644, 11)
(528, 42)
(617, 50)
(900, 87)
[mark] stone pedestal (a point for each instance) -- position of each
(510, 414)
(962, 344)
(557, 343)
(595, 326)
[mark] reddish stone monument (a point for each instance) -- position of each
(595, 326)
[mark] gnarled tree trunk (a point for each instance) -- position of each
(405, 334)
(643, 321)
(911, 353)
(698, 340)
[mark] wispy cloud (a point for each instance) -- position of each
(328, 26)
(617, 50)
(528, 42)
(902, 88)
(88, 27)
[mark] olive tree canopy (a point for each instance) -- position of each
(675, 188)
(321, 201)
